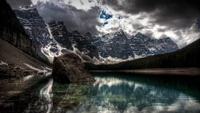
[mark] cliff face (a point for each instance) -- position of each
(35, 28)
(12, 31)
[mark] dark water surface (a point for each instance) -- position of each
(111, 93)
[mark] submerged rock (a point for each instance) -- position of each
(69, 68)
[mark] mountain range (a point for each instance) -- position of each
(183, 58)
(53, 39)
(117, 45)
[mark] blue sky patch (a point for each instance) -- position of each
(105, 15)
(105, 23)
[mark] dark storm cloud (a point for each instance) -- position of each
(16, 3)
(74, 19)
(148, 33)
(138, 26)
(161, 29)
(175, 14)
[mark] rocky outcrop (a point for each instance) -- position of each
(69, 68)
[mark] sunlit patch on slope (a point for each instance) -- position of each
(28, 77)
(49, 30)
(45, 70)
(3, 63)
(111, 60)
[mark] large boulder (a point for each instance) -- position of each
(69, 68)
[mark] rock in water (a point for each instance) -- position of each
(69, 68)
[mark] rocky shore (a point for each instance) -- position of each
(13, 71)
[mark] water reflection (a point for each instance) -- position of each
(122, 93)
(44, 102)
(117, 94)
(66, 97)
(12, 87)
(112, 93)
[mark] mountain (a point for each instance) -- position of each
(59, 31)
(39, 33)
(12, 31)
(16, 48)
(53, 39)
(113, 45)
(145, 46)
(117, 45)
(34, 26)
(72, 40)
(186, 57)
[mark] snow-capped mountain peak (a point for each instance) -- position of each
(118, 46)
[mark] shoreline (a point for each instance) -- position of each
(156, 71)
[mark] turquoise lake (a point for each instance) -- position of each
(111, 93)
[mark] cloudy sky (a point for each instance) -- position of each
(155, 18)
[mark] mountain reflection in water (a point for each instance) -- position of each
(113, 93)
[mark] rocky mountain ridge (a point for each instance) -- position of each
(118, 46)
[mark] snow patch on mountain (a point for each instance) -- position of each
(53, 50)
(43, 70)
(138, 56)
(49, 30)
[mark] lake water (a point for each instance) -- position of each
(111, 93)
